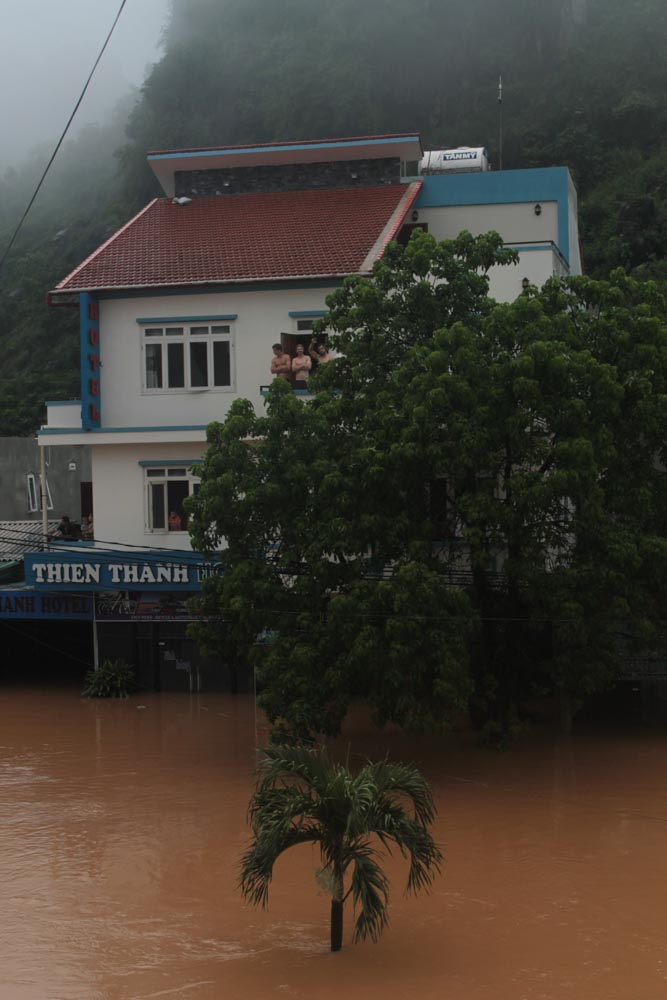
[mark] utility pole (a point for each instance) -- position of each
(500, 123)
(42, 493)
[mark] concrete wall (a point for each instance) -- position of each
(287, 177)
(19, 458)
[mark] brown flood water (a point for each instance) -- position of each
(121, 825)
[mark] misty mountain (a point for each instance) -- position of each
(584, 85)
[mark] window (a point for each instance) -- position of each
(188, 358)
(34, 499)
(166, 489)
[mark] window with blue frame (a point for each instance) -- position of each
(188, 357)
(166, 489)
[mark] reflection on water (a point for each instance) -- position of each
(121, 826)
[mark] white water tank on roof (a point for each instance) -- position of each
(446, 161)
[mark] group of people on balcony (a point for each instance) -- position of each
(297, 369)
(73, 531)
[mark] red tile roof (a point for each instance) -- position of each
(248, 237)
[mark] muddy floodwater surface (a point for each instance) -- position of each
(121, 825)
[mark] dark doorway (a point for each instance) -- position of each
(86, 499)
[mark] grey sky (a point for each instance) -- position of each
(47, 49)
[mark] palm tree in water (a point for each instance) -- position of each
(303, 796)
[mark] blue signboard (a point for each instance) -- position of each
(30, 604)
(97, 569)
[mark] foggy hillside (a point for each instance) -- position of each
(584, 85)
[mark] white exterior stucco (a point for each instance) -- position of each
(516, 223)
(261, 317)
(119, 494)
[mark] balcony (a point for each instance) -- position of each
(263, 390)
(63, 414)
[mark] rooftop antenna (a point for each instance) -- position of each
(500, 123)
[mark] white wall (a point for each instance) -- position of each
(537, 265)
(574, 250)
(516, 222)
(261, 318)
(119, 500)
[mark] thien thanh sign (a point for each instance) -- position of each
(93, 570)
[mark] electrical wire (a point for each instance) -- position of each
(62, 137)
(69, 547)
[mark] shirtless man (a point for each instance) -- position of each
(301, 365)
(319, 353)
(281, 363)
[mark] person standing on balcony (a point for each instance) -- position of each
(301, 365)
(67, 531)
(318, 353)
(281, 363)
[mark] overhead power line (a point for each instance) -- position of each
(62, 137)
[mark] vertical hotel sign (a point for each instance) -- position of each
(91, 402)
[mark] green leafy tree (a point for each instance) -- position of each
(330, 536)
(472, 505)
(303, 796)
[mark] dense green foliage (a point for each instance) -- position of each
(515, 449)
(584, 85)
(303, 796)
(112, 679)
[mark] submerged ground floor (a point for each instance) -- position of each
(56, 639)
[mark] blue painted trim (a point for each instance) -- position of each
(288, 148)
(502, 187)
(306, 313)
(123, 430)
(545, 245)
(296, 392)
(147, 320)
(89, 351)
(155, 464)
(62, 430)
(63, 402)
(221, 289)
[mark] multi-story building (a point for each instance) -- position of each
(180, 308)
